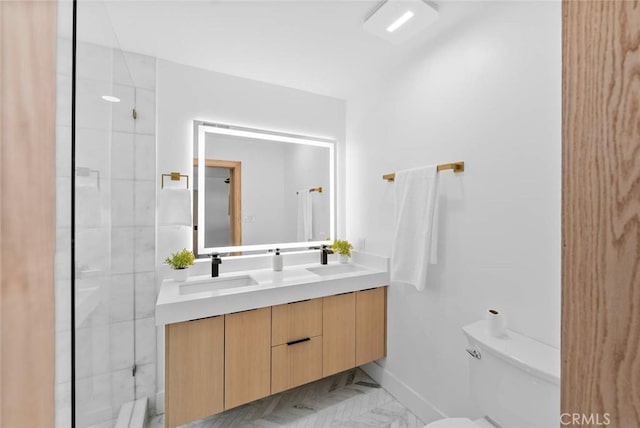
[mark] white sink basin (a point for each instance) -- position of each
(267, 277)
(328, 270)
(216, 284)
(235, 290)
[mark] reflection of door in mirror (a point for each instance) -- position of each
(223, 208)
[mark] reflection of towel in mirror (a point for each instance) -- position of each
(305, 216)
(174, 207)
(414, 241)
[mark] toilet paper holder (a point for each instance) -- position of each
(474, 353)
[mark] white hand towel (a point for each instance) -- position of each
(305, 216)
(174, 208)
(413, 241)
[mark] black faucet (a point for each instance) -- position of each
(324, 252)
(215, 263)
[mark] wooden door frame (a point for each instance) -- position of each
(27, 212)
(235, 193)
(600, 374)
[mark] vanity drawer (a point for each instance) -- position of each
(296, 363)
(293, 321)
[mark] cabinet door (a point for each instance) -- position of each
(247, 356)
(194, 370)
(296, 363)
(371, 323)
(298, 320)
(338, 333)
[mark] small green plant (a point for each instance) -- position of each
(343, 247)
(180, 260)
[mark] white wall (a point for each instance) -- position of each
(185, 94)
(487, 92)
(63, 308)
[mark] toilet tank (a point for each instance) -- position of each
(516, 380)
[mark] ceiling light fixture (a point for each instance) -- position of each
(400, 21)
(111, 99)
(397, 21)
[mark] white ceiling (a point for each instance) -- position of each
(317, 46)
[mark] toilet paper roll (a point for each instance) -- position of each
(497, 323)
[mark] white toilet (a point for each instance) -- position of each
(515, 381)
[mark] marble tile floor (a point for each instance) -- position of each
(346, 400)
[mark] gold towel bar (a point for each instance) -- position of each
(314, 189)
(455, 166)
(175, 176)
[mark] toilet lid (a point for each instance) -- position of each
(453, 423)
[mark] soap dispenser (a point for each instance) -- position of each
(277, 261)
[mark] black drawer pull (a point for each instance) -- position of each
(294, 342)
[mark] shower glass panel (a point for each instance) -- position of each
(104, 222)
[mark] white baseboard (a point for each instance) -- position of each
(406, 395)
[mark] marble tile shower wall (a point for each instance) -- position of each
(115, 236)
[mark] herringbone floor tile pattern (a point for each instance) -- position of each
(347, 400)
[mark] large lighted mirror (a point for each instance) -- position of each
(259, 189)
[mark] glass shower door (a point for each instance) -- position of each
(103, 222)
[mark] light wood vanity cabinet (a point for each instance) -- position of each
(338, 333)
(247, 356)
(296, 356)
(194, 373)
(296, 363)
(354, 329)
(297, 320)
(218, 363)
(371, 325)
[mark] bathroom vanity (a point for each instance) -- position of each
(246, 335)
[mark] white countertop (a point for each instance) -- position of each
(292, 284)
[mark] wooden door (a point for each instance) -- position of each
(338, 333)
(28, 209)
(601, 213)
(194, 370)
(371, 325)
(247, 356)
